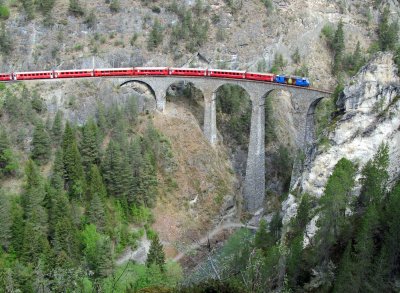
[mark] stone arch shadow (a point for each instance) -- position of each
(189, 94)
(144, 104)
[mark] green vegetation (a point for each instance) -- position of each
(234, 114)
(29, 8)
(269, 5)
(278, 64)
(6, 44)
(156, 36)
(387, 32)
(63, 232)
(75, 8)
(4, 12)
(115, 6)
(355, 249)
(192, 30)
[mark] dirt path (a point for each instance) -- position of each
(210, 235)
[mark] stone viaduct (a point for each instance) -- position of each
(304, 101)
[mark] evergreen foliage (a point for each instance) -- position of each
(29, 8)
(332, 221)
(156, 254)
(6, 221)
(73, 169)
(387, 32)
(4, 12)
(156, 36)
(6, 44)
(41, 146)
(338, 48)
(90, 145)
(57, 129)
(8, 162)
(75, 8)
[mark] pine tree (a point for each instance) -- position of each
(135, 165)
(73, 169)
(57, 129)
(17, 228)
(96, 212)
(333, 204)
(338, 48)
(156, 36)
(8, 162)
(388, 33)
(156, 254)
(262, 239)
(5, 220)
(57, 176)
(148, 182)
(96, 184)
(345, 278)
(116, 171)
(374, 178)
(32, 198)
(40, 144)
(90, 145)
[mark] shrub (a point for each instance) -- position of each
(91, 19)
(75, 8)
(115, 6)
(4, 12)
(388, 33)
(5, 41)
(156, 36)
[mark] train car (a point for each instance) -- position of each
(6, 76)
(150, 71)
(260, 76)
(113, 72)
(292, 80)
(73, 73)
(33, 75)
(188, 71)
(226, 73)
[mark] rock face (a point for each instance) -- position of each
(371, 104)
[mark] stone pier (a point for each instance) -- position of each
(304, 101)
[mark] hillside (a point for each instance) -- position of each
(101, 192)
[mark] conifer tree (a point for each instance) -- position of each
(374, 178)
(388, 33)
(57, 176)
(116, 171)
(148, 182)
(57, 129)
(345, 278)
(338, 47)
(8, 163)
(156, 254)
(73, 169)
(32, 198)
(333, 203)
(90, 145)
(5, 220)
(96, 184)
(40, 144)
(17, 228)
(96, 212)
(262, 239)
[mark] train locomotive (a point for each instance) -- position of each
(156, 71)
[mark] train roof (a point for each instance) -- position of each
(73, 70)
(187, 68)
(115, 69)
(225, 70)
(150, 68)
(31, 72)
(262, 73)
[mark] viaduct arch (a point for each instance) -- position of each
(304, 102)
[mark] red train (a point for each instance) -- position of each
(155, 71)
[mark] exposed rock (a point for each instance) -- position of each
(371, 104)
